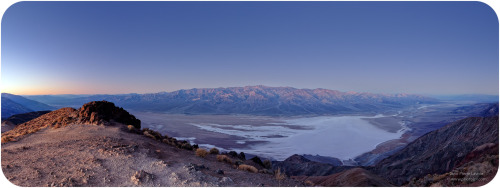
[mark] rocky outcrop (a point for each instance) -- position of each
(439, 151)
(102, 112)
(92, 113)
(356, 177)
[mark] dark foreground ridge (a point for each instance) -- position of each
(444, 150)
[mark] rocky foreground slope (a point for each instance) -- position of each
(102, 145)
(443, 151)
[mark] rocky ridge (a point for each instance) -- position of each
(439, 151)
(93, 113)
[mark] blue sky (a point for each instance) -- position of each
(144, 47)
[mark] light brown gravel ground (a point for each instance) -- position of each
(89, 155)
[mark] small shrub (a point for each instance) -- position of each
(200, 152)
(152, 134)
(6, 139)
(241, 156)
(224, 158)
(149, 135)
(233, 154)
(265, 171)
(309, 183)
(257, 161)
(267, 164)
(131, 129)
(166, 141)
(280, 176)
(248, 168)
(187, 146)
(238, 162)
(214, 151)
(178, 144)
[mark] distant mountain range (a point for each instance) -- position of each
(257, 100)
(476, 98)
(15, 104)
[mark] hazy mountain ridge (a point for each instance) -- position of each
(10, 108)
(30, 104)
(15, 104)
(468, 97)
(258, 100)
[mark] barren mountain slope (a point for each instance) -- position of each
(85, 155)
(439, 151)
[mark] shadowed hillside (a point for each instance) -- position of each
(439, 151)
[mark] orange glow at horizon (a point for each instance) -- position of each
(34, 91)
(52, 91)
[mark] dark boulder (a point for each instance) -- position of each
(102, 112)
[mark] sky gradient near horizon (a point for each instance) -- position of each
(146, 47)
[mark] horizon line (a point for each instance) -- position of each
(164, 91)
